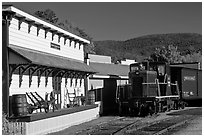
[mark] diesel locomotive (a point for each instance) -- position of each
(151, 89)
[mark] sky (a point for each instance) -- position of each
(125, 20)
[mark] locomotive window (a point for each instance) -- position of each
(134, 68)
(161, 69)
(153, 68)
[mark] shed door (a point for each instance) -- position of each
(57, 89)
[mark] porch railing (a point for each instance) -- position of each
(14, 128)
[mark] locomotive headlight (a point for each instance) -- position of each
(169, 83)
(191, 93)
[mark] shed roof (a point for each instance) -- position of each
(187, 65)
(110, 69)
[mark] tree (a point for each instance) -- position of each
(82, 33)
(90, 48)
(194, 57)
(48, 15)
(168, 54)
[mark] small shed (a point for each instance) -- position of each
(106, 80)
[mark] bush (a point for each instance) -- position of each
(5, 125)
(12, 128)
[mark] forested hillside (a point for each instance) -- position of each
(142, 47)
(189, 45)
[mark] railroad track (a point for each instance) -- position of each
(137, 126)
(159, 127)
(110, 128)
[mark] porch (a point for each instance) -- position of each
(44, 123)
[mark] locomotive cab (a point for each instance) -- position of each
(148, 72)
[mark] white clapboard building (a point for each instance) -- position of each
(40, 57)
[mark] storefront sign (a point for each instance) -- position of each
(55, 46)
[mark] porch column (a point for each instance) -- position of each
(86, 79)
(6, 18)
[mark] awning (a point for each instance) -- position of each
(27, 56)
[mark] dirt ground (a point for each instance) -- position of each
(102, 124)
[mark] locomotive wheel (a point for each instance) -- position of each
(151, 110)
(161, 107)
(120, 109)
(176, 106)
(156, 107)
(182, 105)
(134, 111)
(143, 110)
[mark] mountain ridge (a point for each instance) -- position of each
(141, 47)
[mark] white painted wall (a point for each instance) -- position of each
(30, 40)
(96, 83)
(41, 90)
(15, 89)
(61, 122)
(122, 82)
(127, 61)
(22, 38)
(79, 90)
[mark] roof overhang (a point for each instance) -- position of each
(95, 76)
(19, 55)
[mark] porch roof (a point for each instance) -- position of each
(27, 56)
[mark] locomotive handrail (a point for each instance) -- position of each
(172, 96)
(153, 83)
(149, 83)
(173, 84)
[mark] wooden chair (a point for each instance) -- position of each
(72, 99)
(50, 98)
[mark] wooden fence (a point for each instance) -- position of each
(14, 128)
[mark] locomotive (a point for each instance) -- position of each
(150, 90)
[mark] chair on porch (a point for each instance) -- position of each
(37, 102)
(72, 99)
(50, 97)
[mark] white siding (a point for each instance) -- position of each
(122, 82)
(96, 83)
(58, 123)
(30, 40)
(79, 90)
(15, 89)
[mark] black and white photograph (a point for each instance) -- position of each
(101, 67)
